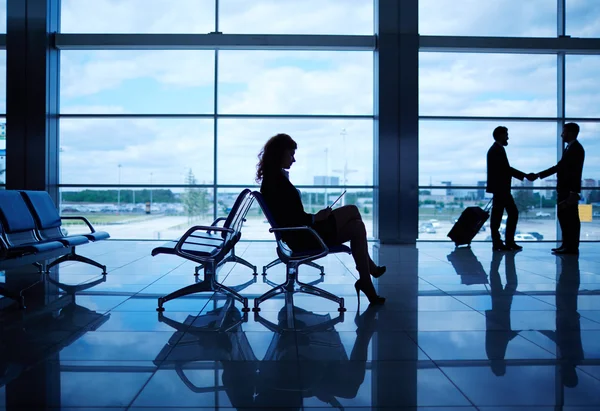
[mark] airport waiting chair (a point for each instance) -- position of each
(211, 247)
(293, 260)
(49, 223)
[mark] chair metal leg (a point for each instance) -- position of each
(76, 257)
(269, 294)
(311, 289)
(317, 266)
(241, 261)
(271, 264)
(73, 289)
(200, 287)
(289, 287)
(13, 296)
(208, 284)
(231, 292)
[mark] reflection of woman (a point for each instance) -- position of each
(333, 226)
(326, 370)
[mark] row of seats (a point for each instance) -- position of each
(31, 233)
(214, 245)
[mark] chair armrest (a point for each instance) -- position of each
(324, 248)
(85, 220)
(188, 234)
(217, 221)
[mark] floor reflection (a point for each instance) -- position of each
(453, 333)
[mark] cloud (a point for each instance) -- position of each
(137, 16)
(297, 83)
(467, 84)
(168, 148)
(583, 18)
(296, 17)
(531, 18)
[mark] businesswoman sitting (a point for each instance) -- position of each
(333, 226)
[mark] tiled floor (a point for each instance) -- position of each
(460, 330)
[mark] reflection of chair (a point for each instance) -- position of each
(42, 332)
(199, 245)
(326, 370)
(292, 262)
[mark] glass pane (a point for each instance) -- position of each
(440, 209)
(140, 82)
(2, 22)
(135, 151)
(257, 227)
(137, 16)
(455, 151)
(2, 150)
(140, 213)
(296, 16)
(588, 137)
(328, 150)
(531, 18)
(468, 84)
(3, 81)
(582, 18)
(295, 82)
(582, 84)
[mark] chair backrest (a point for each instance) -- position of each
(263, 205)
(44, 213)
(237, 215)
(17, 221)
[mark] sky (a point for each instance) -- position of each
(303, 82)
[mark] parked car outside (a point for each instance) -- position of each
(426, 228)
(524, 237)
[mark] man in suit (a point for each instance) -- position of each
(499, 175)
(568, 171)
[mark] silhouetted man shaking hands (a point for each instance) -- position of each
(499, 175)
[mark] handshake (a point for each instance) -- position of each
(532, 176)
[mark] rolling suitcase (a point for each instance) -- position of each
(468, 225)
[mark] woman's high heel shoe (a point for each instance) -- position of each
(379, 271)
(373, 299)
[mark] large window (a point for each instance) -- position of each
(154, 140)
(464, 95)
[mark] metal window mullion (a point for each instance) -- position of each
(217, 16)
(211, 41)
(560, 112)
(215, 132)
(561, 18)
(229, 116)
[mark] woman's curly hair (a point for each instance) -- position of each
(269, 158)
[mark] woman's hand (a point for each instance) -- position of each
(323, 214)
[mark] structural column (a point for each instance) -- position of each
(396, 88)
(32, 95)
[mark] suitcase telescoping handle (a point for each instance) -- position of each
(488, 205)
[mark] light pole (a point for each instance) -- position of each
(150, 193)
(119, 190)
(345, 171)
(326, 175)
